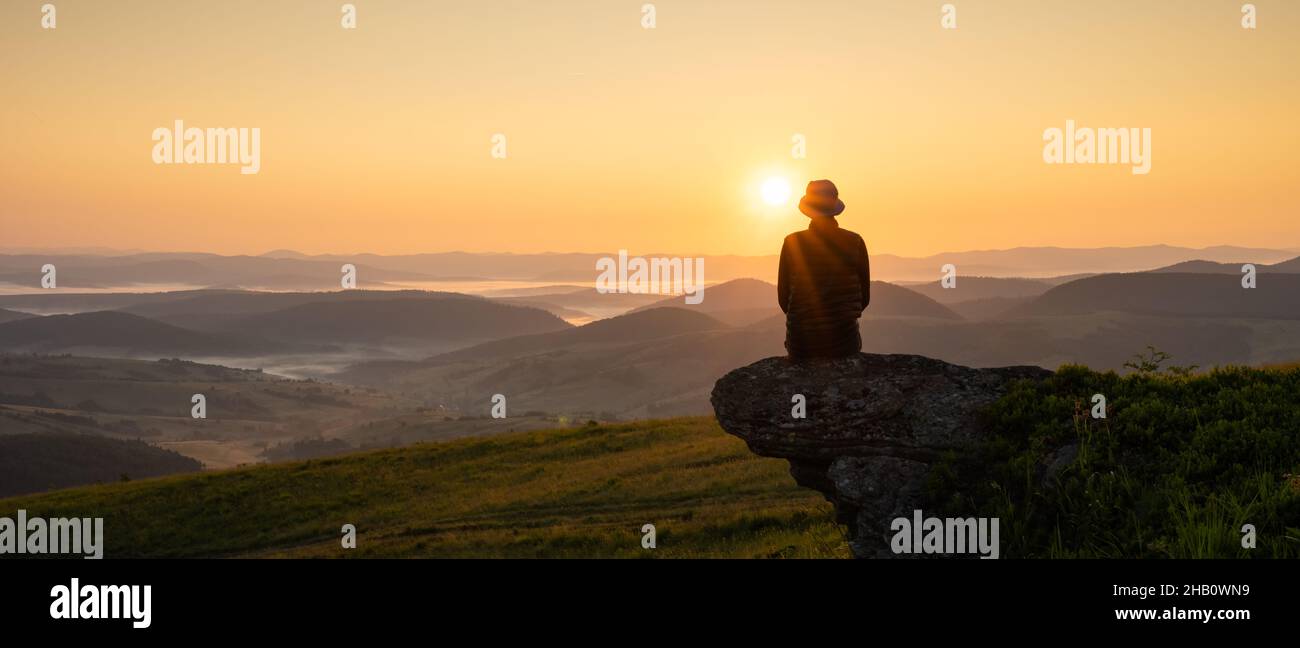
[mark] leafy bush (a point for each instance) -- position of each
(1180, 463)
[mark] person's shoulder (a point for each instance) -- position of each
(850, 234)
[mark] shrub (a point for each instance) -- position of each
(1180, 463)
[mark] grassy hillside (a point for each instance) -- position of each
(582, 492)
(1180, 463)
(1176, 468)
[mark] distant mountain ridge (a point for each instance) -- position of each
(238, 323)
(121, 331)
(1201, 266)
(289, 269)
(9, 316)
(450, 319)
(1277, 296)
(90, 271)
(745, 301)
(625, 329)
(970, 288)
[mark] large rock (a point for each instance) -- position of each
(873, 425)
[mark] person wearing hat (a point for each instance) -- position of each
(824, 280)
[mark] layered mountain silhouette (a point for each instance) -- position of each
(124, 333)
(581, 303)
(1171, 294)
(971, 288)
(982, 298)
(634, 328)
(1043, 262)
(657, 360)
(9, 316)
(1200, 266)
(85, 271)
(237, 323)
(746, 301)
(419, 365)
(379, 320)
(448, 349)
(291, 270)
(654, 362)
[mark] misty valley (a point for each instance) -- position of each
(100, 386)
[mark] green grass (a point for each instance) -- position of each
(1180, 463)
(582, 492)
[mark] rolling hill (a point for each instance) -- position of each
(648, 371)
(123, 333)
(581, 492)
(294, 320)
(988, 308)
(246, 302)
(444, 320)
(32, 463)
(972, 288)
(9, 316)
(193, 269)
(1171, 295)
(1013, 262)
(587, 301)
(195, 305)
(61, 302)
(1290, 266)
(621, 330)
(137, 399)
(287, 269)
(984, 298)
(1043, 262)
(643, 370)
(745, 301)
(657, 362)
(1200, 267)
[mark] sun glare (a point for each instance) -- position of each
(776, 191)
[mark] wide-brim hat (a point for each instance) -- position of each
(821, 199)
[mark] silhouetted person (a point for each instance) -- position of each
(824, 282)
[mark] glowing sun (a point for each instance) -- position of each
(776, 191)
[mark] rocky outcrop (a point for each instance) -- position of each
(872, 426)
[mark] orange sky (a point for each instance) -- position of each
(619, 137)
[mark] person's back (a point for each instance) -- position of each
(824, 280)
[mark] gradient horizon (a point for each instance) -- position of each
(378, 139)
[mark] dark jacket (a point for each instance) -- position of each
(823, 285)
